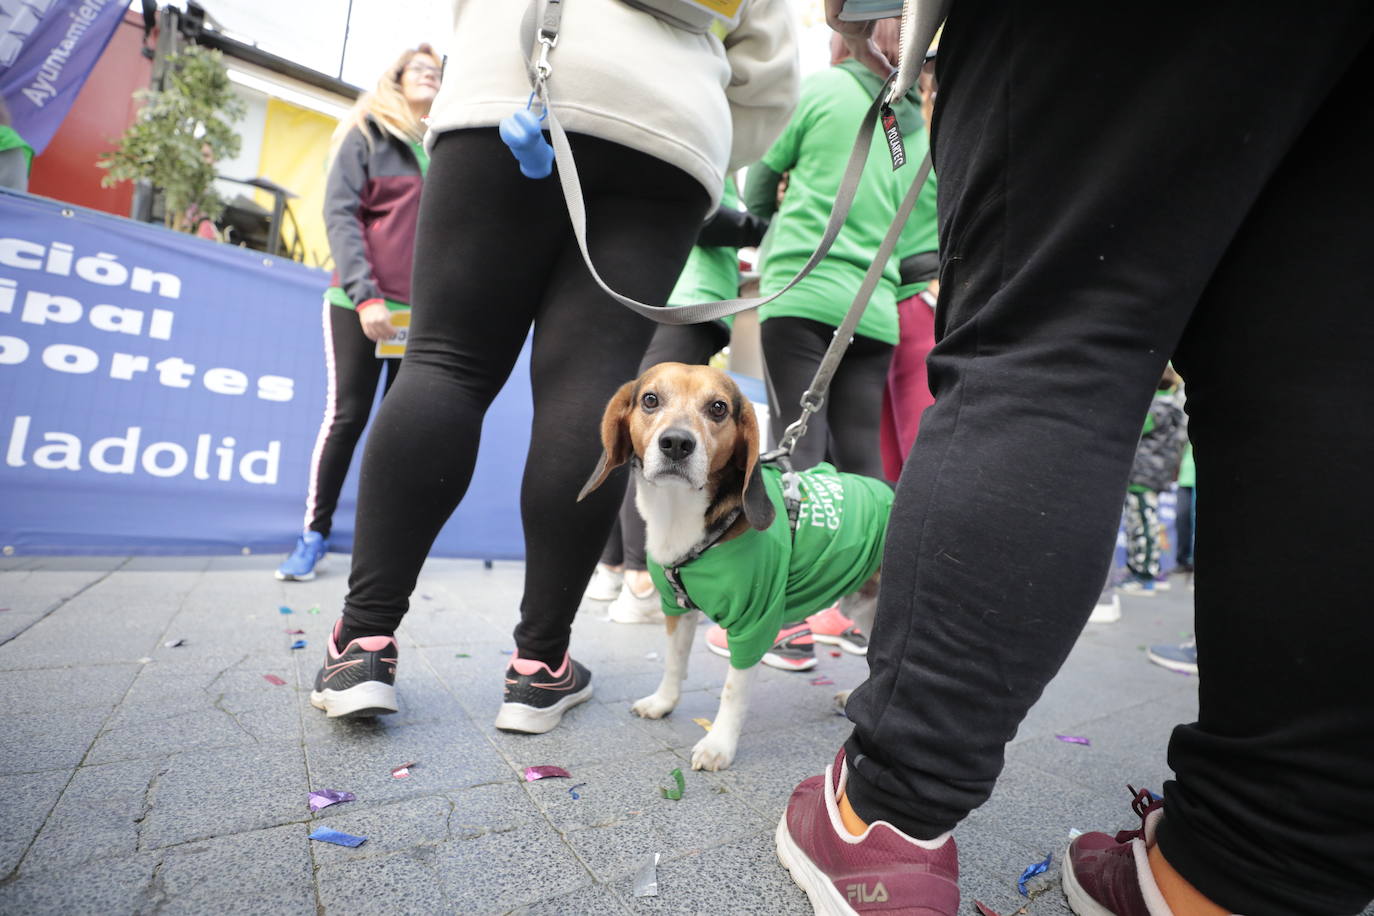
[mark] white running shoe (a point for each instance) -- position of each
(605, 584)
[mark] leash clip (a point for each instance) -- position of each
(542, 68)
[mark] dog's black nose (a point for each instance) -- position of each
(677, 443)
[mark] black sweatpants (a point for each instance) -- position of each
(693, 344)
(845, 431)
(1118, 185)
(494, 255)
(353, 371)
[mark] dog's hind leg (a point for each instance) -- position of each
(862, 606)
(717, 749)
(681, 629)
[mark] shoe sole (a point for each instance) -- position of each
(1171, 664)
(841, 642)
(820, 890)
(365, 700)
(769, 659)
(287, 577)
(1080, 901)
(532, 720)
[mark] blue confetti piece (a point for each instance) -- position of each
(298, 644)
(1030, 872)
(573, 790)
(324, 834)
(507, 651)
(285, 610)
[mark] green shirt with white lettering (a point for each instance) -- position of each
(762, 580)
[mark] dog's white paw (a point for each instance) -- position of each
(714, 752)
(654, 706)
(841, 700)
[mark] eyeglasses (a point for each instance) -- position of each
(419, 68)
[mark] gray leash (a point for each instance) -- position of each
(544, 39)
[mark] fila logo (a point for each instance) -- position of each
(859, 893)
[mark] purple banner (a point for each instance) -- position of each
(47, 49)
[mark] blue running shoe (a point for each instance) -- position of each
(1181, 658)
(309, 552)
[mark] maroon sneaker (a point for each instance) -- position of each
(883, 871)
(1110, 876)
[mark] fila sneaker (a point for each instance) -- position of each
(881, 871)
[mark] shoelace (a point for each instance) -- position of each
(1142, 803)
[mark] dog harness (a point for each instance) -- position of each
(756, 583)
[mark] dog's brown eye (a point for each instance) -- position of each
(718, 410)
(650, 400)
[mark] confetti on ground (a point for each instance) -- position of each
(822, 681)
(572, 790)
(646, 881)
(651, 656)
(402, 771)
(426, 597)
(486, 564)
(144, 660)
(173, 643)
(704, 723)
(324, 834)
(675, 794)
(290, 632)
(985, 909)
(1074, 833)
(323, 798)
(462, 655)
(273, 679)
(3, 610)
(1030, 872)
(507, 651)
(315, 609)
(298, 644)
(834, 654)
(1074, 739)
(546, 772)
(285, 610)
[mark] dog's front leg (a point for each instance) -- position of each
(681, 629)
(717, 749)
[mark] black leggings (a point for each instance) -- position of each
(693, 344)
(1106, 202)
(494, 254)
(353, 371)
(845, 431)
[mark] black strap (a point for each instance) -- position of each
(708, 540)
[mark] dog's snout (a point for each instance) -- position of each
(676, 443)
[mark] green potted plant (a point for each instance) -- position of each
(182, 130)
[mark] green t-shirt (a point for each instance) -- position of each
(813, 150)
(710, 273)
(10, 139)
(1187, 470)
(760, 581)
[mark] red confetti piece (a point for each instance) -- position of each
(273, 679)
(985, 909)
(822, 681)
(402, 771)
(294, 632)
(834, 654)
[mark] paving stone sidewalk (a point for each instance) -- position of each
(142, 778)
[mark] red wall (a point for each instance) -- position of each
(103, 109)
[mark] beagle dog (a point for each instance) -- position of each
(724, 538)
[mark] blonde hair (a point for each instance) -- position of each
(386, 105)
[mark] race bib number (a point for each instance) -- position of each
(396, 346)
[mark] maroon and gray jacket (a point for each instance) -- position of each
(372, 201)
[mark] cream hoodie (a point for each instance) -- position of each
(626, 76)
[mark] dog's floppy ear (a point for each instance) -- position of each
(758, 508)
(615, 437)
